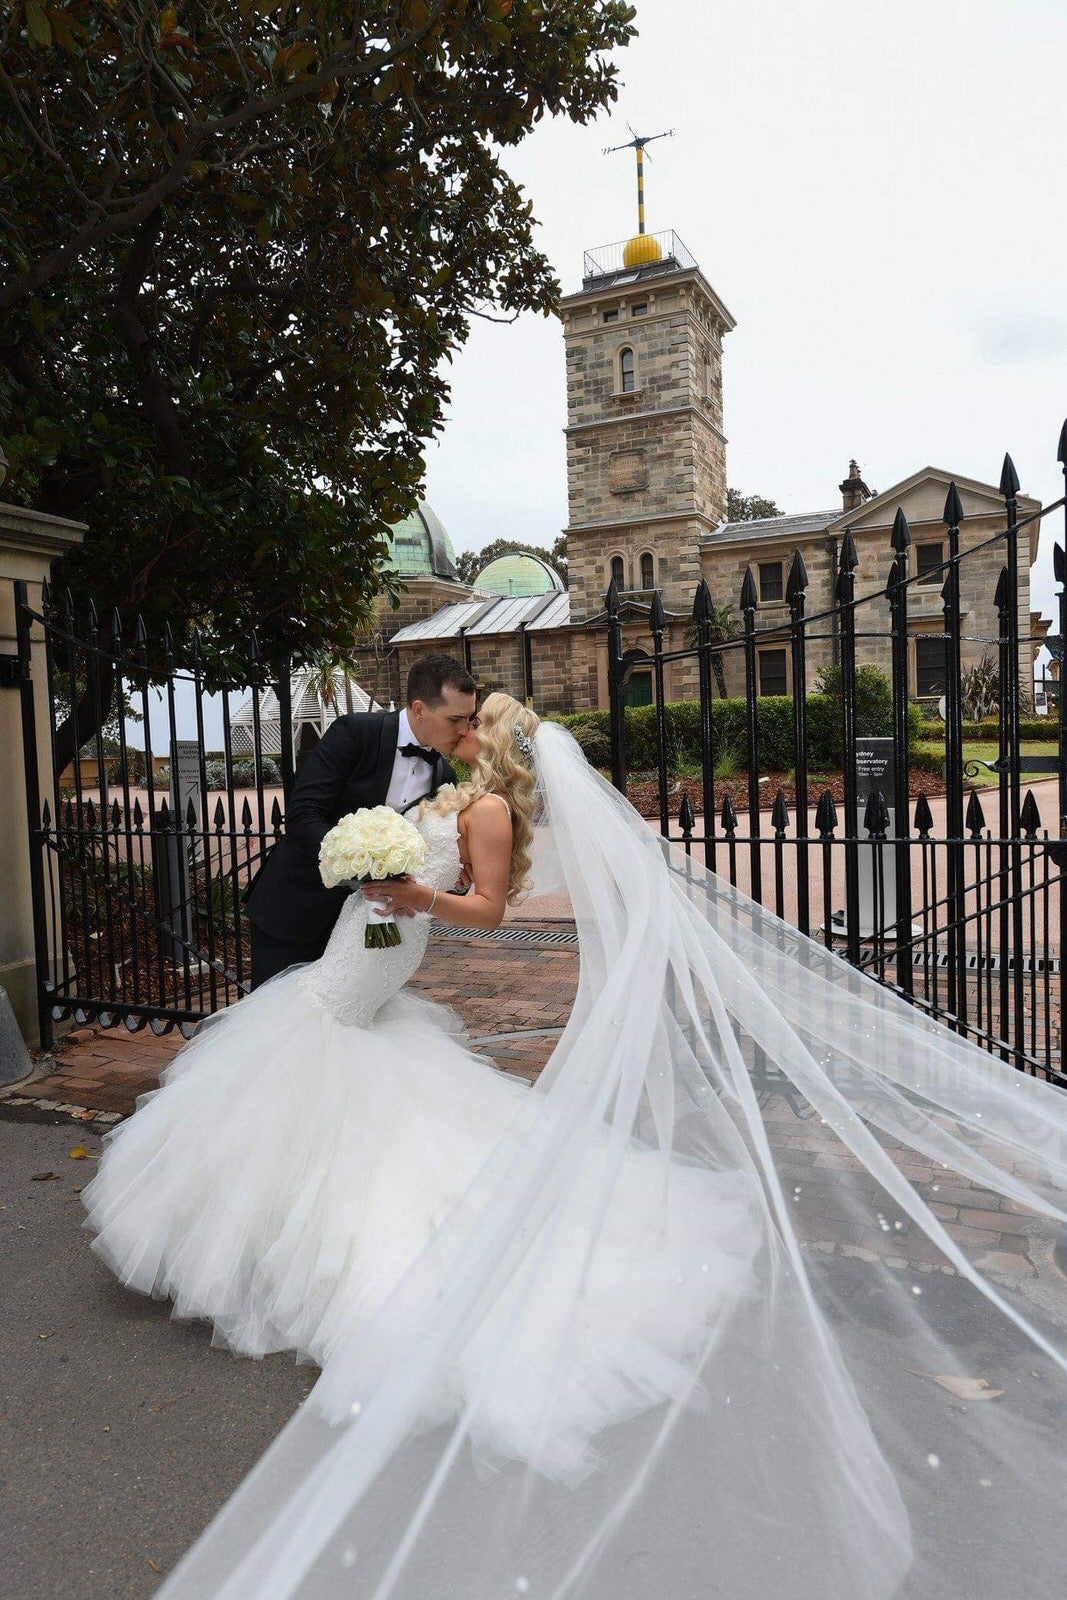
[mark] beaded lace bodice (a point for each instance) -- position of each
(352, 982)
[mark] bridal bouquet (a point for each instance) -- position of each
(370, 844)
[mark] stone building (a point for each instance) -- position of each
(646, 484)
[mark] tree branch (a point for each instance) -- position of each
(156, 396)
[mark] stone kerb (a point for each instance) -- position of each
(29, 543)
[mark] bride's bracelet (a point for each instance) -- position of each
(433, 902)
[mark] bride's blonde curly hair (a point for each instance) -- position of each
(502, 768)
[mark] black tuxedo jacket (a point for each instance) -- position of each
(349, 768)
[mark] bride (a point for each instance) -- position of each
(636, 1330)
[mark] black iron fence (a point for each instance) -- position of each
(140, 855)
(960, 911)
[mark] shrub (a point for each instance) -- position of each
(774, 729)
(595, 739)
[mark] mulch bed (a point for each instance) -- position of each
(642, 790)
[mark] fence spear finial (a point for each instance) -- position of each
(798, 577)
(953, 512)
(901, 537)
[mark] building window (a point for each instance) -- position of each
(618, 572)
(611, 316)
(928, 559)
(648, 571)
(929, 667)
(770, 580)
(639, 311)
(773, 672)
(626, 370)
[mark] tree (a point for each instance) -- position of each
(748, 507)
(723, 626)
(238, 239)
(470, 562)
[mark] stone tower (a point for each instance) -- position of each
(646, 452)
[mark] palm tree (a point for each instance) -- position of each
(723, 627)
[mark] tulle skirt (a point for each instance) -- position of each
(290, 1169)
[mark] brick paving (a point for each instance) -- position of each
(97, 1075)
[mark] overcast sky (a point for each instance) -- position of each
(876, 191)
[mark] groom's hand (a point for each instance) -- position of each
(465, 879)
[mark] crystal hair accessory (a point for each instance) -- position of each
(525, 744)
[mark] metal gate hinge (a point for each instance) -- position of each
(10, 672)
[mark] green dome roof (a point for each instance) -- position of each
(421, 547)
(519, 573)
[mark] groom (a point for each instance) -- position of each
(368, 758)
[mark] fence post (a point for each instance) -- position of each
(898, 611)
(285, 723)
(702, 614)
(1061, 713)
(795, 593)
(846, 597)
(33, 808)
(615, 705)
(955, 889)
(657, 621)
(749, 602)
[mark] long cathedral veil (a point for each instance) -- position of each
(862, 1402)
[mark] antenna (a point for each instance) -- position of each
(638, 143)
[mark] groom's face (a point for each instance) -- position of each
(443, 725)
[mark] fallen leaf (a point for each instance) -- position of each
(43, 1177)
(163, 1404)
(48, 1335)
(962, 1388)
(80, 1153)
(153, 1565)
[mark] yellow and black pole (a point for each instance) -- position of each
(638, 143)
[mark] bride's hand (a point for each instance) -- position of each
(402, 897)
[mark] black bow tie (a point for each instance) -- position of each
(417, 750)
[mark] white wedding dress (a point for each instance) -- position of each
(685, 1319)
(306, 1147)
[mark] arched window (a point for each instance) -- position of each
(618, 572)
(648, 571)
(626, 370)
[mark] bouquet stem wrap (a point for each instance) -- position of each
(382, 931)
(370, 846)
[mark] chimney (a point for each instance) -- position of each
(854, 491)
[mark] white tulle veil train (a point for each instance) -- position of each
(806, 1448)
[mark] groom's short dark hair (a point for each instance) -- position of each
(431, 675)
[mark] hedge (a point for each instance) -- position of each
(774, 731)
(1042, 729)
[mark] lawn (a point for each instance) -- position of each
(986, 751)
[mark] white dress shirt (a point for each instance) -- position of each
(411, 777)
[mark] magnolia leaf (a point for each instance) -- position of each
(43, 1177)
(962, 1388)
(80, 1153)
(38, 24)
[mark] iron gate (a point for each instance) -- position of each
(961, 913)
(139, 858)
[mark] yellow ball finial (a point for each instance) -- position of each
(640, 250)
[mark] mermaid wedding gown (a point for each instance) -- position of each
(305, 1148)
(683, 1319)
